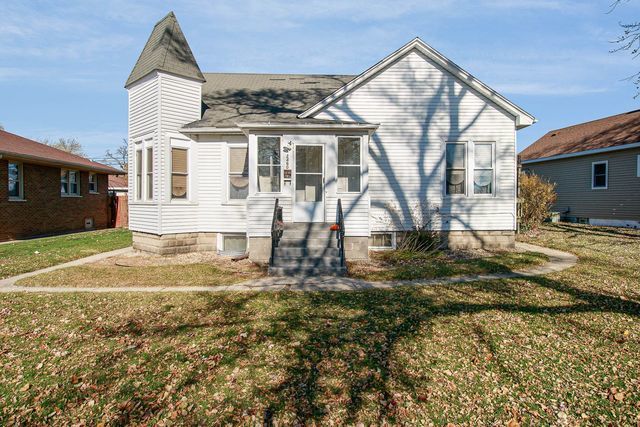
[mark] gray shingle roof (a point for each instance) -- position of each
(231, 98)
(166, 50)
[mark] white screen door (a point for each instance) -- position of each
(309, 185)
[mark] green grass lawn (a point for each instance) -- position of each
(561, 349)
(29, 255)
(404, 265)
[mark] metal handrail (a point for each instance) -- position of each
(277, 228)
(340, 233)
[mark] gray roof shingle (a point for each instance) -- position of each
(231, 98)
(166, 50)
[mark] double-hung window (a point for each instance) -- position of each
(15, 181)
(138, 160)
(179, 173)
(349, 168)
(269, 164)
(93, 183)
(483, 174)
(599, 175)
(456, 168)
(69, 182)
(238, 172)
(149, 175)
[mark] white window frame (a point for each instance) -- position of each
(227, 168)
(471, 175)
(188, 174)
(148, 175)
(221, 239)
(638, 165)
(138, 185)
(20, 196)
(95, 181)
(338, 165)
(68, 177)
(606, 175)
(258, 165)
(385, 248)
(466, 145)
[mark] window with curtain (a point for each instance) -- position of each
(179, 173)
(15, 180)
(456, 168)
(238, 173)
(138, 160)
(483, 168)
(349, 168)
(149, 173)
(69, 182)
(93, 183)
(269, 164)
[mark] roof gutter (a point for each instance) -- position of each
(582, 153)
(49, 162)
(210, 129)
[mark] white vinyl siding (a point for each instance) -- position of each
(420, 107)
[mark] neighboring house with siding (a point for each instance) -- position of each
(46, 190)
(596, 169)
(211, 152)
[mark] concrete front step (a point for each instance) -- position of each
(309, 234)
(307, 271)
(305, 252)
(329, 262)
(308, 226)
(288, 242)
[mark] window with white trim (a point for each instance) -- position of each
(16, 187)
(483, 168)
(599, 175)
(382, 240)
(138, 165)
(234, 244)
(456, 168)
(349, 167)
(638, 165)
(179, 173)
(149, 171)
(93, 183)
(69, 182)
(269, 168)
(238, 172)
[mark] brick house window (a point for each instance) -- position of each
(15, 181)
(93, 183)
(69, 182)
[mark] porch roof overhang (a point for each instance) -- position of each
(246, 128)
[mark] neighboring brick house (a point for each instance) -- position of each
(46, 190)
(596, 169)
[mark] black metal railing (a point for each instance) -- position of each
(277, 227)
(340, 232)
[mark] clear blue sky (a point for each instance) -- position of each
(63, 63)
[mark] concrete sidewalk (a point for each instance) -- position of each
(558, 261)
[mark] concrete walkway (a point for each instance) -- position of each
(558, 261)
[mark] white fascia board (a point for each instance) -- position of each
(583, 153)
(309, 126)
(523, 118)
(201, 130)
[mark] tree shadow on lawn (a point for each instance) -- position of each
(349, 335)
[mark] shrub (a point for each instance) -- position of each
(418, 237)
(536, 198)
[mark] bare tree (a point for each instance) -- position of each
(629, 41)
(70, 145)
(1, 127)
(120, 156)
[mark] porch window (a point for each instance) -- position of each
(238, 172)
(138, 174)
(349, 165)
(456, 168)
(599, 175)
(93, 183)
(69, 182)
(149, 173)
(15, 181)
(483, 168)
(269, 164)
(179, 173)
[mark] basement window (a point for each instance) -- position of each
(382, 241)
(234, 244)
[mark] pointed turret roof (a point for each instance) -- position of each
(166, 50)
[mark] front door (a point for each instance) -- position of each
(308, 203)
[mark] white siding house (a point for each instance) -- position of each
(211, 153)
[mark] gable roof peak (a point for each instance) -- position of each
(166, 50)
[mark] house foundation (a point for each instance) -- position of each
(171, 244)
(494, 239)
